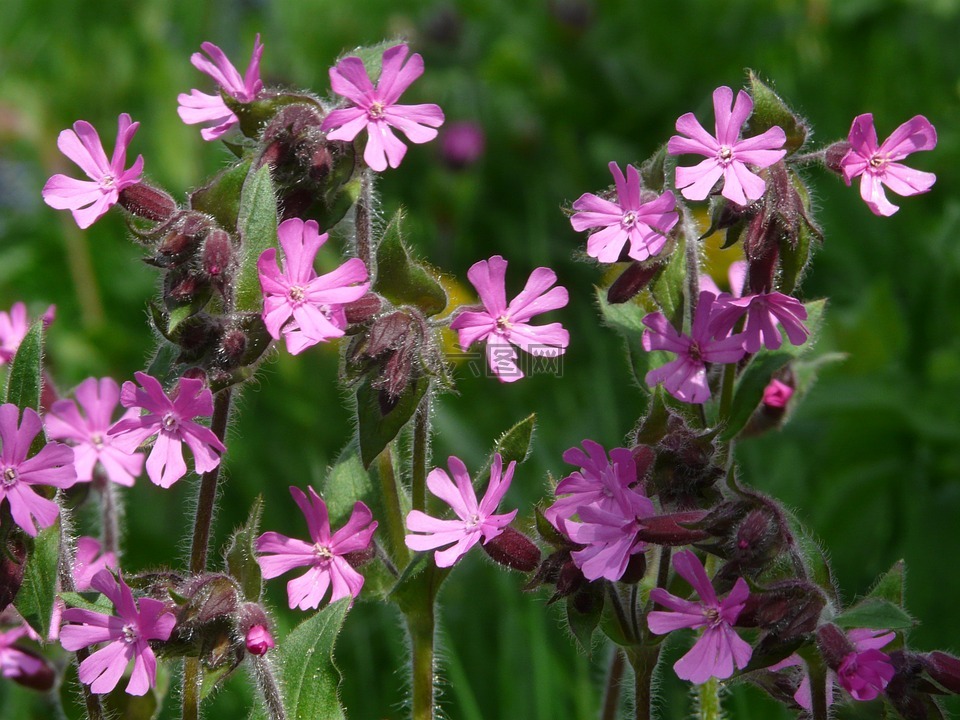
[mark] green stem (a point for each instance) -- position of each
(110, 518)
(421, 439)
(363, 222)
(626, 626)
(690, 235)
(392, 508)
(708, 700)
(421, 624)
(611, 695)
(726, 390)
(818, 688)
(643, 660)
(191, 689)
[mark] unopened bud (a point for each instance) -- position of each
(216, 256)
(233, 345)
(634, 279)
(777, 394)
(756, 536)
(669, 529)
(359, 558)
(362, 310)
(182, 287)
(513, 549)
(147, 202)
(11, 569)
(636, 569)
(259, 640)
(388, 333)
(944, 669)
(787, 611)
(834, 645)
(27, 668)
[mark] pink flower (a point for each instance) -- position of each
(21, 665)
(258, 640)
(719, 648)
(764, 312)
(198, 107)
(644, 224)
(88, 431)
(777, 394)
(503, 326)
(686, 377)
(462, 144)
(171, 421)
(53, 466)
(376, 109)
(14, 327)
(128, 634)
(475, 521)
(324, 555)
(313, 305)
(594, 484)
(89, 200)
(865, 672)
(876, 165)
(88, 562)
(726, 154)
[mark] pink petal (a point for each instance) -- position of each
(395, 77)
(314, 511)
(696, 182)
(144, 674)
(689, 567)
(345, 124)
(349, 78)
(83, 146)
(489, 278)
(307, 591)
(727, 122)
(165, 464)
(697, 141)
(912, 136)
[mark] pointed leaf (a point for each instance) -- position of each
(667, 287)
(769, 111)
(241, 556)
(795, 256)
(164, 362)
(257, 225)
(39, 588)
(583, 616)
(304, 663)
(515, 443)
(25, 378)
(403, 280)
(375, 428)
(221, 196)
(890, 585)
(876, 614)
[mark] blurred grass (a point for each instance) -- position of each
(872, 459)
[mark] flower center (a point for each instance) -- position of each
(694, 352)
(170, 422)
(725, 154)
(9, 477)
(877, 161)
(107, 182)
(322, 552)
(97, 440)
(297, 294)
(130, 633)
(628, 219)
(712, 615)
(472, 521)
(376, 110)
(503, 323)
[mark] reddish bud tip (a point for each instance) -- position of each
(634, 279)
(514, 550)
(362, 310)
(259, 640)
(834, 645)
(147, 202)
(833, 156)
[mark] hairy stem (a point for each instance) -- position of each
(269, 687)
(690, 235)
(818, 688)
(726, 390)
(421, 624)
(611, 693)
(191, 689)
(626, 626)
(708, 700)
(393, 510)
(421, 439)
(363, 222)
(109, 514)
(643, 660)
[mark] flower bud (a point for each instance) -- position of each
(181, 241)
(787, 610)
(28, 668)
(634, 279)
(362, 310)
(259, 640)
(834, 645)
(216, 256)
(147, 202)
(11, 569)
(944, 669)
(669, 529)
(513, 549)
(834, 154)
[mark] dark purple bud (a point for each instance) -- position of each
(182, 287)
(320, 163)
(569, 581)
(756, 537)
(362, 310)
(669, 529)
(631, 281)
(834, 645)
(11, 569)
(216, 256)
(148, 202)
(181, 242)
(359, 558)
(513, 549)
(388, 333)
(198, 335)
(944, 669)
(834, 154)
(786, 610)
(908, 690)
(462, 144)
(233, 344)
(195, 373)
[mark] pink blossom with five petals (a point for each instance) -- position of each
(53, 466)
(88, 431)
(170, 419)
(127, 633)
(198, 107)
(304, 307)
(376, 109)
(324, 555)
(503, 325)
(14, 327)
(88, 200)
(727, 155)
(644, 225)
(686, 377)
(475, 520)
(764, 311)
(876, 164)
(719, 648)
(594, 483)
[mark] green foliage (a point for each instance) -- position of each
(377, 428)
(25, 378)
(221, 197)
(241, 556)
(583, 616)
(770, 111)
(891, 585)
(408, 282)
(35, 599)
(304, 662)
(667, 288)
(257, 224)
(876, 614)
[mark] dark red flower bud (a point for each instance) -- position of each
(631, 281)
(944, 669)
(28, 668)
(388, 333)
(786, 610)
(834, 154)
(359, 558)
(233, 344)
(362, 310)
(569, 581)
(147, 202)
(513, 549)
(258, 640)
(11, 569)
(195, 373)
(834, 645)
(216, 256)
(636, 569)
(669, 529)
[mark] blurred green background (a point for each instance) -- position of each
(871, 461)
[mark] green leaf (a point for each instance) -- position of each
(769, 110)
(257, 225)
(75, 600)
(667, 287)
(515, 443)
(375, 428)
(890, 585)
(304, 662)
(241, 555)
(814, 556)
(221, 196)
(39, 587)
(655, 170)
(875, 614)
(253, 116)
(184, 310)
(164, 362)
(25, 378)
(403, 280)
(583, 616)
(754, 378)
